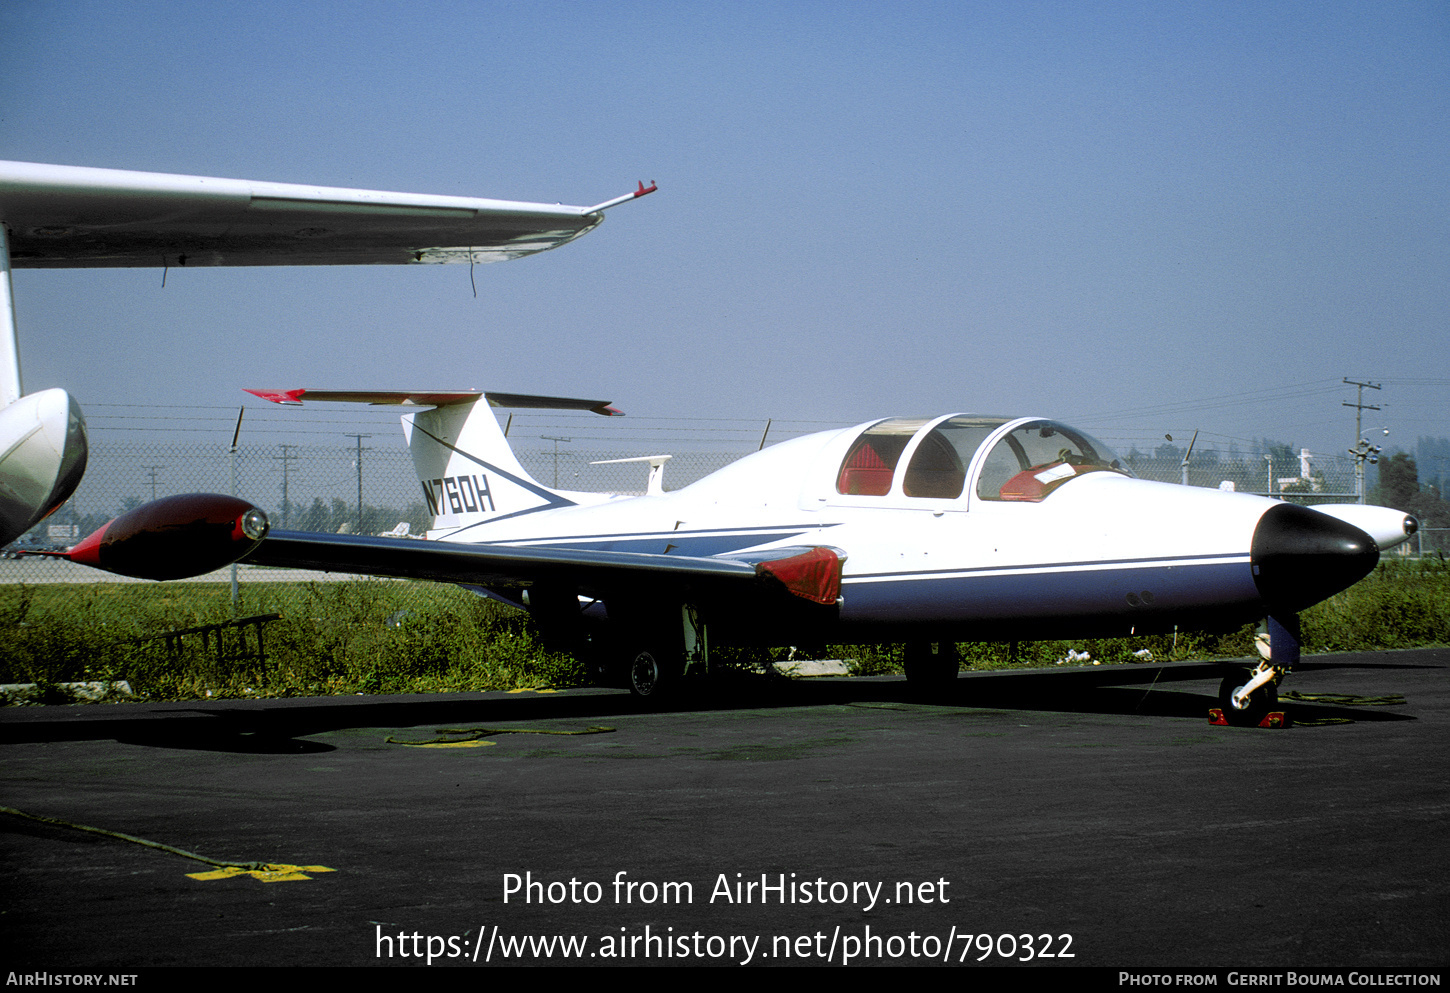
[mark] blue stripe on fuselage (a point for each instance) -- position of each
(1095, 589)
(698, 544)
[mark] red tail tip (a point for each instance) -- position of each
(289, 397)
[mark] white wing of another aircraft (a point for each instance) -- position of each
(54, 216)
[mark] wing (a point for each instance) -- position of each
(183, 536)
(70, 216)
(484, 564)
(812, 574)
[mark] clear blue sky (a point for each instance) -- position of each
(1143, 217)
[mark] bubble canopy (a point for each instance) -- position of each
(1015, 460)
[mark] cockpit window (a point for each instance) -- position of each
(871, 462)
(938, 468)
(1036, 458)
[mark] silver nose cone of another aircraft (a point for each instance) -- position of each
(1301, 556)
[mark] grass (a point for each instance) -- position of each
(332, 638)
(1404, 603)
(380, 636)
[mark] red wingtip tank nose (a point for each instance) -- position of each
(174, 538)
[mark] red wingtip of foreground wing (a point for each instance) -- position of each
(292, 398)
(642, 190)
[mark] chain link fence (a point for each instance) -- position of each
(316, 487)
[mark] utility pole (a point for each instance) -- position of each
(1183, 467)
(360, 450)
(233, 458)
(152, 470)
(1362, 451)
(286, 458)
(549, 437)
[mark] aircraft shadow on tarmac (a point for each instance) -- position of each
(282, 726)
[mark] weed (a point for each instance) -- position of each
(385, 636)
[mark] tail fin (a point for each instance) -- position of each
(468, 472)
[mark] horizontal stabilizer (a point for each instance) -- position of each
(422, 398)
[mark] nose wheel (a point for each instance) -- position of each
(1245, 704)
(1251, 699)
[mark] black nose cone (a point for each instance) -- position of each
(1301, 556)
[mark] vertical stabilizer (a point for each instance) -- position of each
(469, 474)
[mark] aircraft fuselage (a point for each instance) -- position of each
(1106, 554)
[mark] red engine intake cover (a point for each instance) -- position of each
(814, 575)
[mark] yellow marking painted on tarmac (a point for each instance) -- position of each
(478, 733)
(273, 873)
(453, 744)
(267, 872)
(529, 689)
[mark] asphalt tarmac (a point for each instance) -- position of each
(1049, 818)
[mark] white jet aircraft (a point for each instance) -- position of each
(918, 530)
(54, 216)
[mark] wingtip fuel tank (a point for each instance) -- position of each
(175, 537)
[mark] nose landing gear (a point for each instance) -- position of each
(1250, 701)
(1253, 700)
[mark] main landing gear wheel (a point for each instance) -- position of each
(928, 671)
(651, 678)
(1260, 702)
